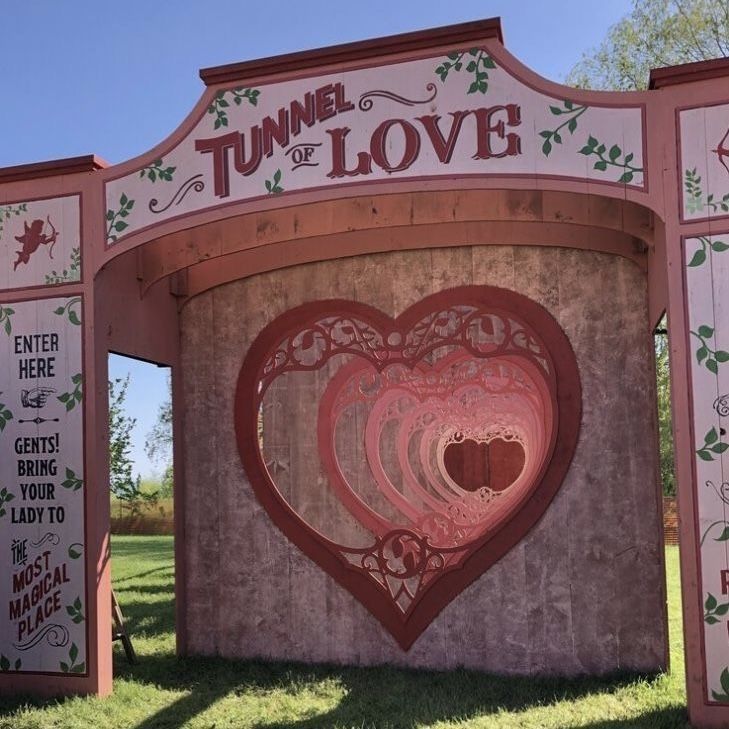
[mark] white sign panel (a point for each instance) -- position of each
(459, 113)
(42, 586)
(707, 278)
(705, 162)
(40, 242)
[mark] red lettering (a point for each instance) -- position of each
(301, 113)
(340, 103)
(339, 165)
(443, 147)
(378, 145)
(725, 582)
(277, 131)
(486, 126)
(219, 147)
(324, 99)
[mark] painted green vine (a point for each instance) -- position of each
(5, 416)
(596, 148)
(72, 666)
(155, 172)
(7, 211)
(710, 357)
(273, 186)
(5, 664)
(694, 195)
(723, 537)
(72, 273)
(69, 310)
(72, 481)
(5, 496)
(700, 256)
(115, 224)
(712, 445)
(553, 136)
(5, 313)
(714, 610)
(479, 63)
(75, 610)
(72, 398)
(238, 96)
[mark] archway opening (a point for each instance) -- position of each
(142, 503)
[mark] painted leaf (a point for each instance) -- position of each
(710, 603)
(698, 258)
(706, 331)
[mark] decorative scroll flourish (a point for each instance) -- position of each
(366, 103)
(194, 183)
(55, 635)
(479, 332)
(47, 538)
(403, 563)
(721, 405)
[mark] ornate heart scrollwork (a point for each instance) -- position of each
(405, 456)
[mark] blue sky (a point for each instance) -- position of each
(114, 79)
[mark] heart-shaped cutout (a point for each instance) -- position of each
(476, 464)
(406, 456)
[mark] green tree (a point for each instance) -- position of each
(158, 444)
(122, 483)
(656, 33)
(665, 422)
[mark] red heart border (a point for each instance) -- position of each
(567, 397)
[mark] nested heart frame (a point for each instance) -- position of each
(349, 423)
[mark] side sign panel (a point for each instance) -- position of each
(42, 535)
(40, 242)
(707, 280)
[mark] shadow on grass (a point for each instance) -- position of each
(379, 697)
(120, 583)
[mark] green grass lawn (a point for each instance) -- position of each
(164, 691)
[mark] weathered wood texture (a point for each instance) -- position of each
(583, 592)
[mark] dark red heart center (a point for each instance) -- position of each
(495, 465)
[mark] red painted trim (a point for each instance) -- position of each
(476, 30)
(488, 549)
(352, 189)
(52, 168)
(694, 477)
(686, 73)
